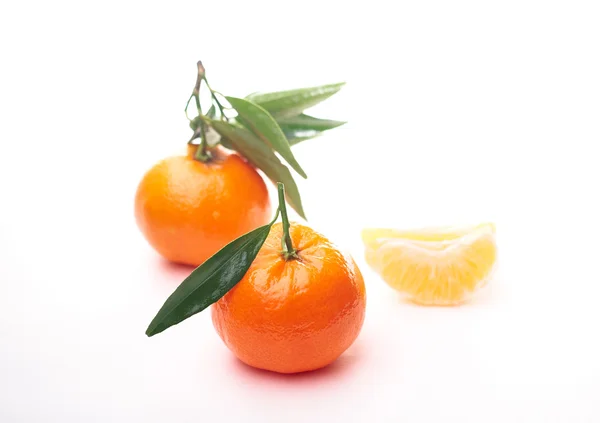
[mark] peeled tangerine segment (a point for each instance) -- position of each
(433, 266)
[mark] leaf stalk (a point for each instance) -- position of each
(287, 247)
(213, 94)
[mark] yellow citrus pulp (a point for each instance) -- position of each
(433, 266)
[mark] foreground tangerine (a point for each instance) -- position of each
(283, 297)
(293, 314)
(188, 209)
(433, 266)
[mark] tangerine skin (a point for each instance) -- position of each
(296, 315)
(188, 210)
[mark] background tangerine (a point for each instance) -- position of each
(188, 210)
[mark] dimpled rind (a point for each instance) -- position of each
(296, 315)
(188, 210)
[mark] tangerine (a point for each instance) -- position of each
(188, 209)
(293, 314)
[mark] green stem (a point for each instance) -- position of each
(215, 98)
(202, 153)
(188, 105)
(196, 92)
(288, 250)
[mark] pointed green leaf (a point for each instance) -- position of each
(212, 112)
(259, 121)
(260, 155)
(210, 281)
(295, 136)
(307, 122)
(293, 102)
(194, 123)
(303, 127)
(226, 143)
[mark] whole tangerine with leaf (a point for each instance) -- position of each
(190, 206)
(284, 298)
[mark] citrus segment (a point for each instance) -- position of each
(433, 266)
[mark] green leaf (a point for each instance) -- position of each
(295, 136)
(266, 128)
(212, 112)
(260, 155)
(194, 123)
(303, 127)
(293, 102)
(226, 143)
(210, 281)
(307, 122)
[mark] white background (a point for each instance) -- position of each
(460, 112)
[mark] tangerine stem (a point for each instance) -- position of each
(288, 250)
(196, 92)
(202, 151)
(188, 105)
(215, 99)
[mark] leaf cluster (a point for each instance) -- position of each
(264, 128)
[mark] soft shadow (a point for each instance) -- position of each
(172, 272)
(486, 296)
(336, 372)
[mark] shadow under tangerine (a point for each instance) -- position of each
(332, 372)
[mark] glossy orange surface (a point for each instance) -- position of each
(295, 315)
(188, 210)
